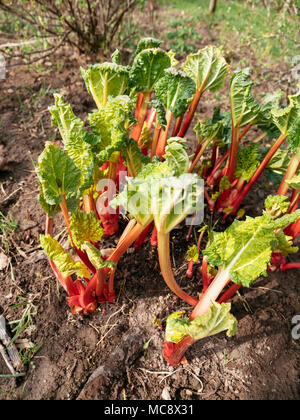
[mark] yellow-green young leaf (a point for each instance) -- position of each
(96, 258)
(276, 205)
(192, 254)
(208, 68)
(216, 320)
(294, 183)
(285, 244)
(58, 175)
(104, 80)
(85, 227)
(64, 261)
(147, 43)
(147, 68)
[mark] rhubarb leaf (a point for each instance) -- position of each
(294, 183)
(75, 140)
(64, 261)
(247, 161)
(285, 244)
(175, 90)
(85, 227)
(133, 157)
(206, 129)
(294, 136)
(146, 44)
(58, 175)
(208, 68)
(287, 220)
(276, 205)
(244, 249)
(104, 80)
(160, 111)
(147, 68)
(111, 124)
(244, 108)
(216, 320)
(285, 118)
(192, 254)
(96, 258)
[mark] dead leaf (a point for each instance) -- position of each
(4, 261)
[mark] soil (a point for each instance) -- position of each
(121, 341)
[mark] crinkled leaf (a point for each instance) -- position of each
(104, 80)
(64, 261)
(294, 136)
(58, 175)
(208, 68)
(294, 183)
(133, 157)
(147, 68)
(285, 118)
(146, 43)
(192, 254)
(244, 108)
(215, 321)
(175, 90)
(76, 140)
(111, 124)
(285, 244)
(96, 258)
(276, 205)
(206, 129)
(247, 161)
(85, 227)
(287, 220)
(244, 249)
(160, 111)
(176, 156)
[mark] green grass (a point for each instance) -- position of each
(237, 25)
(7, 226)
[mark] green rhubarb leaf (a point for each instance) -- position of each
(208, 68)
(133, 157)
(104, 80)
(243, 250)
(215, 321)
(294, 136)
(192, 254)
(244, 108)
(285, 244)
(285, 118)
(287, 220)
(146, 44)
(276, 205)
(85, 227)
(96, 258)
(75, 139)
(294, 183)
(160, 111)
(111, 124)
(58, 175)
(64, 261)
(264, 118)
(148, 67)
(247, 162)
(206, 129)
(175, 90)
(163, 190)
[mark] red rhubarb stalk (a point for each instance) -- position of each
(190, 114)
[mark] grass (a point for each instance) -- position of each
(236, 24)
(7, 226)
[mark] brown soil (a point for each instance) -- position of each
(260, 362)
